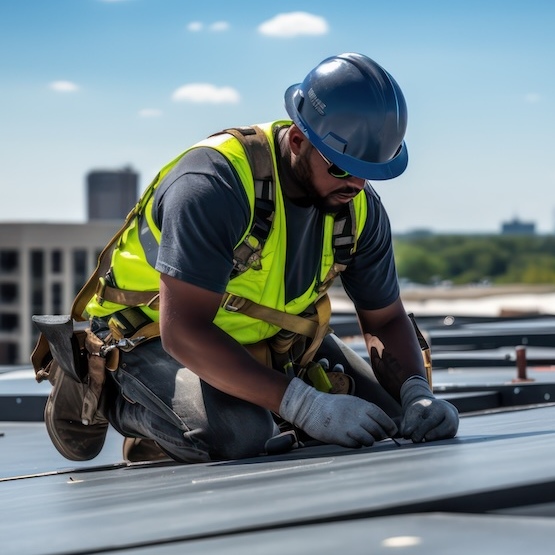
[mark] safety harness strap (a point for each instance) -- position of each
(105, 292)
(315, 327)
(323, 311)
(259, 154)
(102, 267)
(283, 320)
(344, 244)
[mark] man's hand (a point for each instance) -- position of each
(333, 418)
(424, 416)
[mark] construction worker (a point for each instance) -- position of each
(215, 298)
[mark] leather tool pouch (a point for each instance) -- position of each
(79, 353)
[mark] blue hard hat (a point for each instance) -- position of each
(355, 114)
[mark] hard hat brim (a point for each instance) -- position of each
(360, 168)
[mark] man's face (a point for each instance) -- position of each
(326, 192)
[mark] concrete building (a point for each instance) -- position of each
(42, 267)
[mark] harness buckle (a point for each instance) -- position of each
(232, 303)
(153, 301)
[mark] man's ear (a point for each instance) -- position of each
(296, 139)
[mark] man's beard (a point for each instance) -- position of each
(303, 175)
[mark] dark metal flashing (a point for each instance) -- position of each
(491, 489)
(497, 462)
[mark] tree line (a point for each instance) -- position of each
(466, 259)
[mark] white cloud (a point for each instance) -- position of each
(63, 86)
(206, 93)
(532, 98)
(216, 27)
(195, 26)
(219, 26)
(294, 24)
(150, 113)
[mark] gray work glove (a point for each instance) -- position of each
(424, 416)
(334, 418)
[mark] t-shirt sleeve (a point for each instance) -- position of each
(202, 211)
(370, 279)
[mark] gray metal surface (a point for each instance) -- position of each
(498, 462)
(442, 534)
(489, 490)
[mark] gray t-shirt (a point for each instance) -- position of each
(202, 211)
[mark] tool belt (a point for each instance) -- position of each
(84, 354)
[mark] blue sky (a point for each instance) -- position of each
(89, 84)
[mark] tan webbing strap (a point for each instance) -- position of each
(105, 292)
(344, 244)
(283, 320)
(323, 310)
(333, 272)
(148, 331)
(40, 357)
(95, 380)
(143, 334)
(258, 150)
(261, 352)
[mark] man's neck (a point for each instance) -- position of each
(291, 187)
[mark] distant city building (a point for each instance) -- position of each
(42, 268)
(516, 227)
(111, 193)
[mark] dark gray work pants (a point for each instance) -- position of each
(152, 396)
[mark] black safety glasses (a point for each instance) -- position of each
(334, 170)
